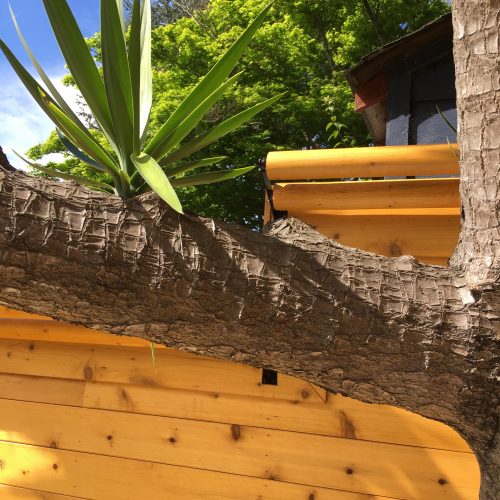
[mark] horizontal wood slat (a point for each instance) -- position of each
(16, 493)
(370, 212)
(338, 417)
(42, 389)
(345, 464)
(15, 327)
(6, 312)
(396, 235)
(389, 194)
(133, 365)
(382, 161)
(109, 478)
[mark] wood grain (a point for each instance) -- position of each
(109, 478)
(425, 236)
(380, 161)
(345, 464)
(368, 195)
(339, 416)
(133, 365)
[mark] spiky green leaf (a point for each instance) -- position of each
(45, 79)
(193, 119)
(117, 81)
(80, 62)
(85, 142)
(186, 167)
(139, 56)
(155, 177)
(210, 177)
(68, 177)
(219, 131)
(213, 80)
(77, 153)
(119, 5)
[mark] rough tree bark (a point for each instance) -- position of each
(385, 330)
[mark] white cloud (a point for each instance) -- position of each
(22, 123)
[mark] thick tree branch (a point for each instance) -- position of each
(379, 329)
(477, 67)
(4, 162)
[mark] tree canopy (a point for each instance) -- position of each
(303, 49)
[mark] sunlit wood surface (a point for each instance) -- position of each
(391, 217)
(85, 414)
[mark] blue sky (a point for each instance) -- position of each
(22, 124)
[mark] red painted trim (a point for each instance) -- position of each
(372, 92)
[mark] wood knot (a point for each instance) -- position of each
(172, 440)
(348, 430)
(55, 466)
(88, 373)
(349, 471)
(235, 432)
(304, 394)
(442, 481)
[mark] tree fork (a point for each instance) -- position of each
(378, 329)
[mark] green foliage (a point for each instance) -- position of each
(303, 51)
(119, 95)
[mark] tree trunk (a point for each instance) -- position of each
(477, 62)
(378, 329)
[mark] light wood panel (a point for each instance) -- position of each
(133, 365)
(42, 389)
(16, 493)
(434, 212)
(344, 464)
(425, 236)
(6, 312)
(383, 161)
(27, 328)
(389, 194)
(109, 478)
(339, 416)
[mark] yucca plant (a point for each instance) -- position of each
(121, 100)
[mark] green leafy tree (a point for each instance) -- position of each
(303, 51)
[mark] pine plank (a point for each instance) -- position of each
(133, 365)
(389, 235)
(48, 330)
(43, 390)
(385, 211)
(6, 312)
(110, 478)
(16, 493)
(340, 417)
(382, 161)
(383, 194)
(319, 461)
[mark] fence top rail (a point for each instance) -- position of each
(380, 161)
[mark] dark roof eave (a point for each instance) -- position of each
(371, 64)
